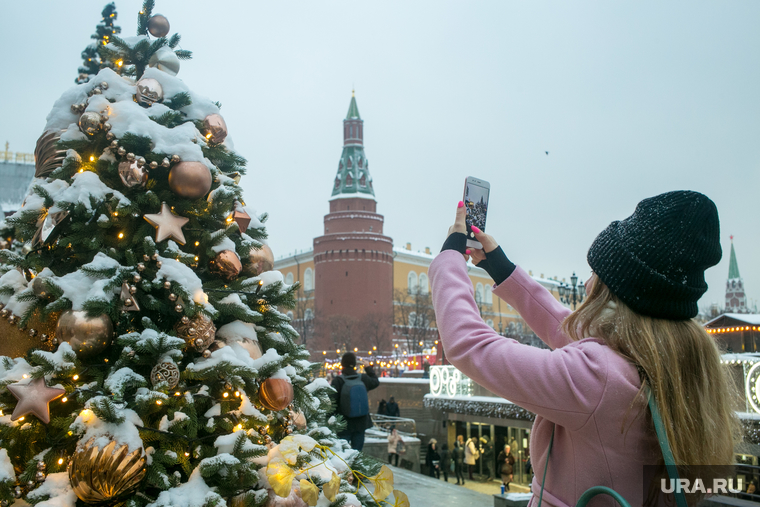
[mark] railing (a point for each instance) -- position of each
(17, 157)
(406, 427)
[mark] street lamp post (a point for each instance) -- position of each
(574, 293)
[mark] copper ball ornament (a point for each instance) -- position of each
(276, 393)
(198, 332)
(226, 264)
(165, 372)
(191, 180)
(215, 127)
(88, 336)
(158, 25)
(103, 475)
(260, 261)
(89, 122)
(149, 91)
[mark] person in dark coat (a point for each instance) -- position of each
(382, 408)
(445, 461)
(355, 426)
(505, 463)
(392, 408)
(433, 459)
(457, 454)
(487, 453)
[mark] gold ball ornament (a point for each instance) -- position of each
(191, 180)
(165, 372)
(226, 264)
(149, 91)
(89, 122)
(198, 332)
(260, 261)
(103, 475)
(88, 336)
(215, 127)
(276, 393)
(158, 25)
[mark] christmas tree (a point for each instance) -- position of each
(144, 359)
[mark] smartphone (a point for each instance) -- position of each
(475, 200)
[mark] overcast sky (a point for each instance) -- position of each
(630, 99)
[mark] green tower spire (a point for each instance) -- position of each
(733, 266)
(353, 178)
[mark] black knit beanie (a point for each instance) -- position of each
(655, 260)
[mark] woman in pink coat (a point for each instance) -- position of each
(588, 388)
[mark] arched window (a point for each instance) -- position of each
(308, 280)
(412, 319)
(308, 314)
(289, 279)
(423, 283)
(350, 131)
(479, 292)
(411, 281)
(489, 294)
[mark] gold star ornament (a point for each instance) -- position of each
(167, 224)
(34, 398)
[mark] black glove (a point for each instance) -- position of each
(497, 265)
(456, 241)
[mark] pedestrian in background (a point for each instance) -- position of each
(471, 455)
(487, 453)
(351, 401)
(506, 463)
(457, 454)
(382, 408)
(445, 461)
(392, 408)
(433, 459)
(393, 440)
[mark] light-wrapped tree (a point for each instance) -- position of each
(144, 357)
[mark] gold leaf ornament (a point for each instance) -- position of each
(401, 499)
(48, 158)
(383, 483)
(280, 477)
(309, 492)
(332, 488)
(100, 475)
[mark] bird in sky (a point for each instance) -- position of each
(547, 152)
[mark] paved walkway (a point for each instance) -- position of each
(491, 488)
(424, 491)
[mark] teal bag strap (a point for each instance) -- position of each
(667, 454)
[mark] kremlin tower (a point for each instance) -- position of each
(736, 299)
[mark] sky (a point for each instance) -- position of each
(630, 99)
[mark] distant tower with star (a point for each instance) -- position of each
(736, 298)
(353, 259)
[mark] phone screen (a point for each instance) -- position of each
(476, 204)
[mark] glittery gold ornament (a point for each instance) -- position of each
(198, 332)
(191, 180)
(101, 475)
(260, 260)
(215, 127)
(226, 264)
(276, 393)
(158, 25)
(90, 122)
(48, 158)
(148, 92)
(88, 336)
(165, 372)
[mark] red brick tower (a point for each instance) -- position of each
(353, 260)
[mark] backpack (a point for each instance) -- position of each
(354, 401)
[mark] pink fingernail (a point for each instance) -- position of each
(467, 251)
(460, 204)
(475, 230)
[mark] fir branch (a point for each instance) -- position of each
(178, 101)
(174, 40)
(183, 54)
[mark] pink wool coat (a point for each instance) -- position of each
(583, 387)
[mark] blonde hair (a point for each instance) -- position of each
(681, 363)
